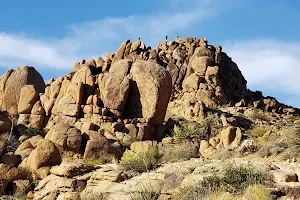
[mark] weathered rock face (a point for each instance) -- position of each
(65, 137)
(150, 92)
(12, 83)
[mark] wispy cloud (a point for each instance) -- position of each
(271, 66)
(94, 38)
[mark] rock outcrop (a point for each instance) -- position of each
(11, 85)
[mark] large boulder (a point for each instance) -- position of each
(150, 91)
(84, 75)
(114, 86)
(13, 82)
(28, 97)
(65, 137)
(45, 154)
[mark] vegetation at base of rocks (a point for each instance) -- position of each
(257, 192)
(146, 193)
(95, 161)
(31, 132)
(257, 131)
(179, 152)
(140, 161)
(10, 197)
(224, 154)
(11, 142)
(95, 197)
(237, 181)
(293, 143)
(189, 131)
(256, 114)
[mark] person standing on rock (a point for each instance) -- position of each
(176, 36)
(166, 38)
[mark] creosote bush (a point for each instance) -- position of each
(257, 131)
(256, 114)
(141, 161)
(11, 142)
(189, 131)
(237, 181)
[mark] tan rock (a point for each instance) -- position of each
(114, 86)
(149, 95)
(28, 97)
(231, 137)
(21, 186)
(12, 88)
(70, 169)
(200, 64)
(99, 62)
(84, 75)
(191, 83)
(65, 137)
(45, 154)
(120, 52)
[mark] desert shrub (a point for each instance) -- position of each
(11, 142)
(257, 192)
(195, 192)
(190, 131)
(146, 193)
(31, 132)
(293, 142)
(180, 152)
(257, 131)
(141, 161)
(256, 114)
(236, 179)
(93, 196)
(95, 161)
(224, 154)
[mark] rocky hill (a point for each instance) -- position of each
(183, 99)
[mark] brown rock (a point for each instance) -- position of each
(101, 148)
(11, 159)
(5, 123)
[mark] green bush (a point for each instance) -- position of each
(236, 179)
(11, 142)
(189, 131)
(31, 132)
(141, 161)
(257, 131)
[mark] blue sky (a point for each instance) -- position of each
(262, 37)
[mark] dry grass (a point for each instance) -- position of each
(180, 152)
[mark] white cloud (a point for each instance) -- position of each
(95, 38)
(270, 66)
